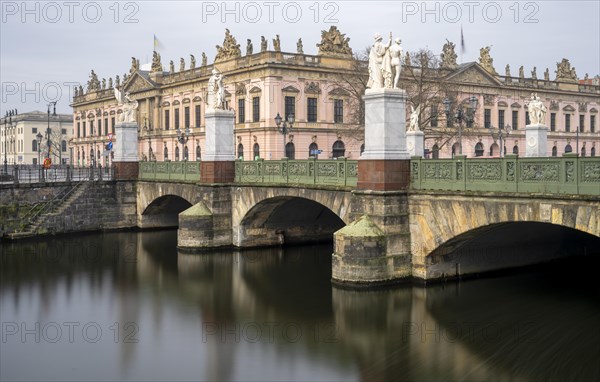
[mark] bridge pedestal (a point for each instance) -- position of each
(536, 141)
(126, 163)
(218, 164)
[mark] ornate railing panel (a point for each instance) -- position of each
(569, 174)
(340, 172)
(188, 172)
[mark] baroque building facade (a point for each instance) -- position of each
(314, 88)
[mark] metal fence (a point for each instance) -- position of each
(16, 174)
(187, 172)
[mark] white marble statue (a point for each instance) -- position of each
(380, 65)
(129, 107)
(537, 110)
(396, 55)
(414, 118)
(216, 92)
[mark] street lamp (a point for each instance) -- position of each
(460, 115)
(501, 135)
(48, 131)
(39, 137)
(284, 128)
(183, 137)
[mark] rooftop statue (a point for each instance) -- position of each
(277, 44)
(181, 64)
(135, 65)
(249, 47)
(299, 46)
(192, 62)
(448, 56)
(93, 83)
(564, 72)
(230, 48)
(156, 64)
(263, 44)
(333, 42)
(203, 59)
(486, 61)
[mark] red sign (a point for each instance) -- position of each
(47, 163)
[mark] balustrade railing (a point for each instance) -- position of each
(16, 174)
(569, 174)
(186, 171)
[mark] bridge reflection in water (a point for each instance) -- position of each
(271, 314)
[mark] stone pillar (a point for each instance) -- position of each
(126, 162)
(385, 163)
(536, 141)
(415, 142)
(218, 162)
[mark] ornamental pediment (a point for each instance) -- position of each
(593, 110)
(569, 108)
(137, 83)
(255, 89)
(473, 74)
(340, 92)
(290, 89)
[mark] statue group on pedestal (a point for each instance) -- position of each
(385, 63)
(215, 98)
(129, 107)
(537, 110)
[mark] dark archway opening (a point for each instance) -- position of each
(287, 220)
(508, 245)
(164, 212)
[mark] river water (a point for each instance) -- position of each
(128, 306)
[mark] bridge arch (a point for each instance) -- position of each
(271, 215)
(446, 226)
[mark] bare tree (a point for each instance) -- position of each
(55, 144)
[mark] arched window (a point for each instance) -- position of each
(338, 149)
(516, 150)
(240, 151)
(479, 149)
(185, 153)
(583, 151)
(554, 151)
(197, 152)
(494, 148)
(78, 158)
(166, 154)
(593, 152)
(256, 151)
(362, 148)
(176, 153)
(63, 146)
(290, 150)
(34, 146)
(435, 151)
(568, 149)
(312, 150)
(455, 149)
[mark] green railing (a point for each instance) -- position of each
(188, 172)
(569, 174)
(341, 172)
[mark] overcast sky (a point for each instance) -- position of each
(45, 45)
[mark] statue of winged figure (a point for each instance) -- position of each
(129, 107)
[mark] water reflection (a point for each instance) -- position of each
(271, 314)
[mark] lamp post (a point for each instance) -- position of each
(460, 115)
(48, 131)
(502, 134)
(183, 137)
(284, 128)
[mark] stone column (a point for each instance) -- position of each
(126, 162)
(218, 162)
(415, 142)
(536, 140)
(385, 163)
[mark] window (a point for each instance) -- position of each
(581, 123)
(34, 145)
(479, 149)
(593, 152)
(84, 130)
(99, 127)
(516, 150)
(290, 150)
(197, 115)
(241, 110)
(501, 119)
(311, 113)
(338, 111)
(255, 109)
(567, 122)
(63, 131)
(256, 151)
(112, 125)
(435, 151)
(166, 154)
(63, 146)
(198, 152)
(185, 153)
(313, 149)
(167, 119)
(186, 117)
(583, 152)
(290, 106)
(91, 128)
(433, 120)
(78, 129)
(552, 121)
(34, 130)
(568, 148)
(240, 151)
(527, 120)
(105, 126)
(176, 153)
(494, 148)
(176, 122)
(338, 149)
(487, 118)
(592, 123)
(515, 119)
